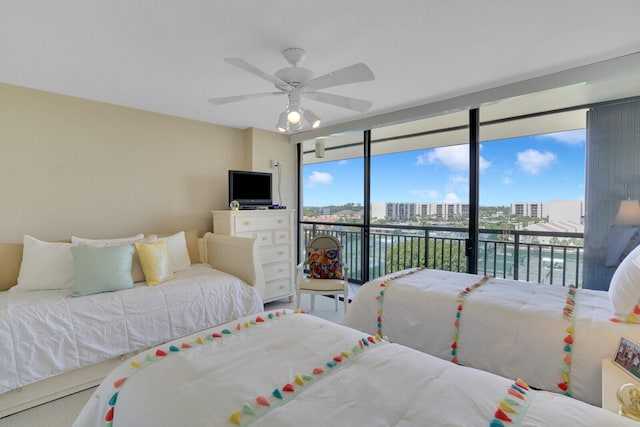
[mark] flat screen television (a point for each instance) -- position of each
(250, 189)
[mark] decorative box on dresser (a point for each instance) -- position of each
(274, 231)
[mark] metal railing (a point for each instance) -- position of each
(545, 257)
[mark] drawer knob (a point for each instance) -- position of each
(264, 237)
(247, 222)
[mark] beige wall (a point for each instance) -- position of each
(72, 166)
(266, 146)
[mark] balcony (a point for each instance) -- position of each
(544, 257)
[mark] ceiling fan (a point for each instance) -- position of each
(297, 82)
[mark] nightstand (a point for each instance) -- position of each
(612, 378)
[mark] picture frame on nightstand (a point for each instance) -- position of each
(627, 357)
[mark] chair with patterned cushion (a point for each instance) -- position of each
(327, 274)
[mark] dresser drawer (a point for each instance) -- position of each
(281, 236)
(267, 222)
(277, 288)
(263, 238)
(271, 254)
(277, 271)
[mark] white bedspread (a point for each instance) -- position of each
(315, 373)
(510, 328)
(44, 333)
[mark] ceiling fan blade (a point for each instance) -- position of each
(352, 74)
(241, 63)
(229, 99)
(339, 101)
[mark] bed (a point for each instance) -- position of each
(54, 343)
(284, 368)
(556, 337)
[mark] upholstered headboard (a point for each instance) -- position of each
(11, 258)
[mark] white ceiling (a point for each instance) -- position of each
(167, 56)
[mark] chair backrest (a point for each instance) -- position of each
(324, 258)
(324, 241)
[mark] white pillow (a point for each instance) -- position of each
(45, 265)
(178, 252)
(624, 289)
(106, 242)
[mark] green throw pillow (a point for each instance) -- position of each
(102, 269)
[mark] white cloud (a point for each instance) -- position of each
(533, 161)
(319, 178)
(452, 198)
(426, 194)
(421, 160)
(506, 180)
(573, 137)
(484, 164)
(342, 162)
(457, 180)
(454, 157)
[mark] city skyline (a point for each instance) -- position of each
(531, 168)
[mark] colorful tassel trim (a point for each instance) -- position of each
(460, 299)
(569, 313)
(252, 411)
(633, 317)
(512, 408)
(631, 244)
(141, 362)
(384, 285)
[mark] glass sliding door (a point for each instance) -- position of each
(332, 194)
(420, 195)
(532, 194)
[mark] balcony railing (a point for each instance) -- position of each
(545, 257)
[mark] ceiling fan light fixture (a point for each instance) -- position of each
(297, 82)
(294, 114)
(313, 120)
(282, 124)
(295, 127)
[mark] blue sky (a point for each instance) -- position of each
(526, 169)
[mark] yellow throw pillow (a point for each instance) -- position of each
(155, 262)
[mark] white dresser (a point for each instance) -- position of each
(274, 231)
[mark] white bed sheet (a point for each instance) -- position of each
(377, 384)
(510, 328)
(44, 333)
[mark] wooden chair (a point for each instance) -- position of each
(327, 274)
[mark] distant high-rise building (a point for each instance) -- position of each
(554, 210)
(565, 210)
(401, 211)
(530, 209)
(406, 211)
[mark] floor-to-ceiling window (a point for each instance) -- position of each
(420, 194)
(531, 199)
(333, 194)
(531, 175)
